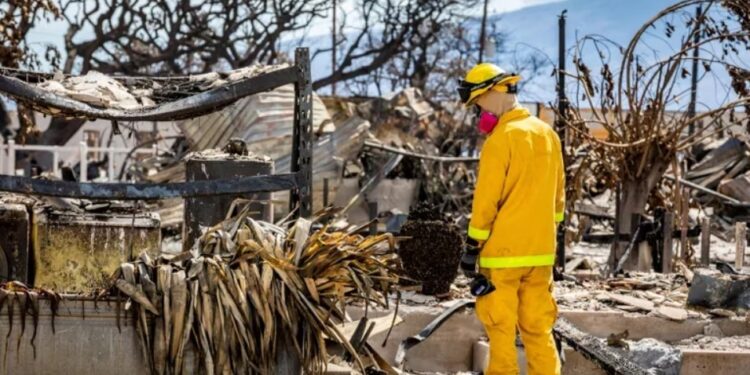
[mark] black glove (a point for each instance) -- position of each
(469, 258)
(481, 286)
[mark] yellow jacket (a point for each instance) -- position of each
(520, 193)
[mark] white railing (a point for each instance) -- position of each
(8, 156)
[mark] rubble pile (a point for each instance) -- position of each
(716, 342)
(103, 91)
(406, 121)
(647, 293)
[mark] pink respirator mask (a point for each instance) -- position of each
(486, 122)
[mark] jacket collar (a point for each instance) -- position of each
(514, 114)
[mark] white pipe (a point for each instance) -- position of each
(55, 163)
(12, 157)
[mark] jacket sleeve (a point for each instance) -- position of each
(560, 195)
(493, 164)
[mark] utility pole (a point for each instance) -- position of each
(562, 108)
(483, 32)
(333, 48)
(694, 74)
(562, 100)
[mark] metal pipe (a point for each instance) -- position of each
(702, 189)
(562, 103)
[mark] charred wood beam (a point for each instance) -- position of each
(189, 107)
(144, 191)
(596, 350)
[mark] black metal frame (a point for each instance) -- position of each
(299, 181)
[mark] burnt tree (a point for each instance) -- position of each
(641, 99)
(17, 18)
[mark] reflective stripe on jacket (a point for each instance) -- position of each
(520, 193)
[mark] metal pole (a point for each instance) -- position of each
(694, 77)
(483, 32)
(302, 157)
(325, 192)
(333, 49)
(562, 108)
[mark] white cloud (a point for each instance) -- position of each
(503, 6)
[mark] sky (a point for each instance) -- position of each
(52, 32)
(531, 26)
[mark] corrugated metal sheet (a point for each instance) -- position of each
(330, 152)
(257, 118)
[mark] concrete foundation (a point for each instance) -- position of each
(457, 345)
(86, 341)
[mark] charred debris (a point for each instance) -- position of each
(282, 228)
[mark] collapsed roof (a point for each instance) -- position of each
(128, 98)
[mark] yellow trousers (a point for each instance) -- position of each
(522, 300)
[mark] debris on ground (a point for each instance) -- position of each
(713, 289)
(712, 342)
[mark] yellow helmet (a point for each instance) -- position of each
(483, 77)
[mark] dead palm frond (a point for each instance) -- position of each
(254, 290)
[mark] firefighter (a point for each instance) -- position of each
(518, 201)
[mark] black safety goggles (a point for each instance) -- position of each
(466, 88)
